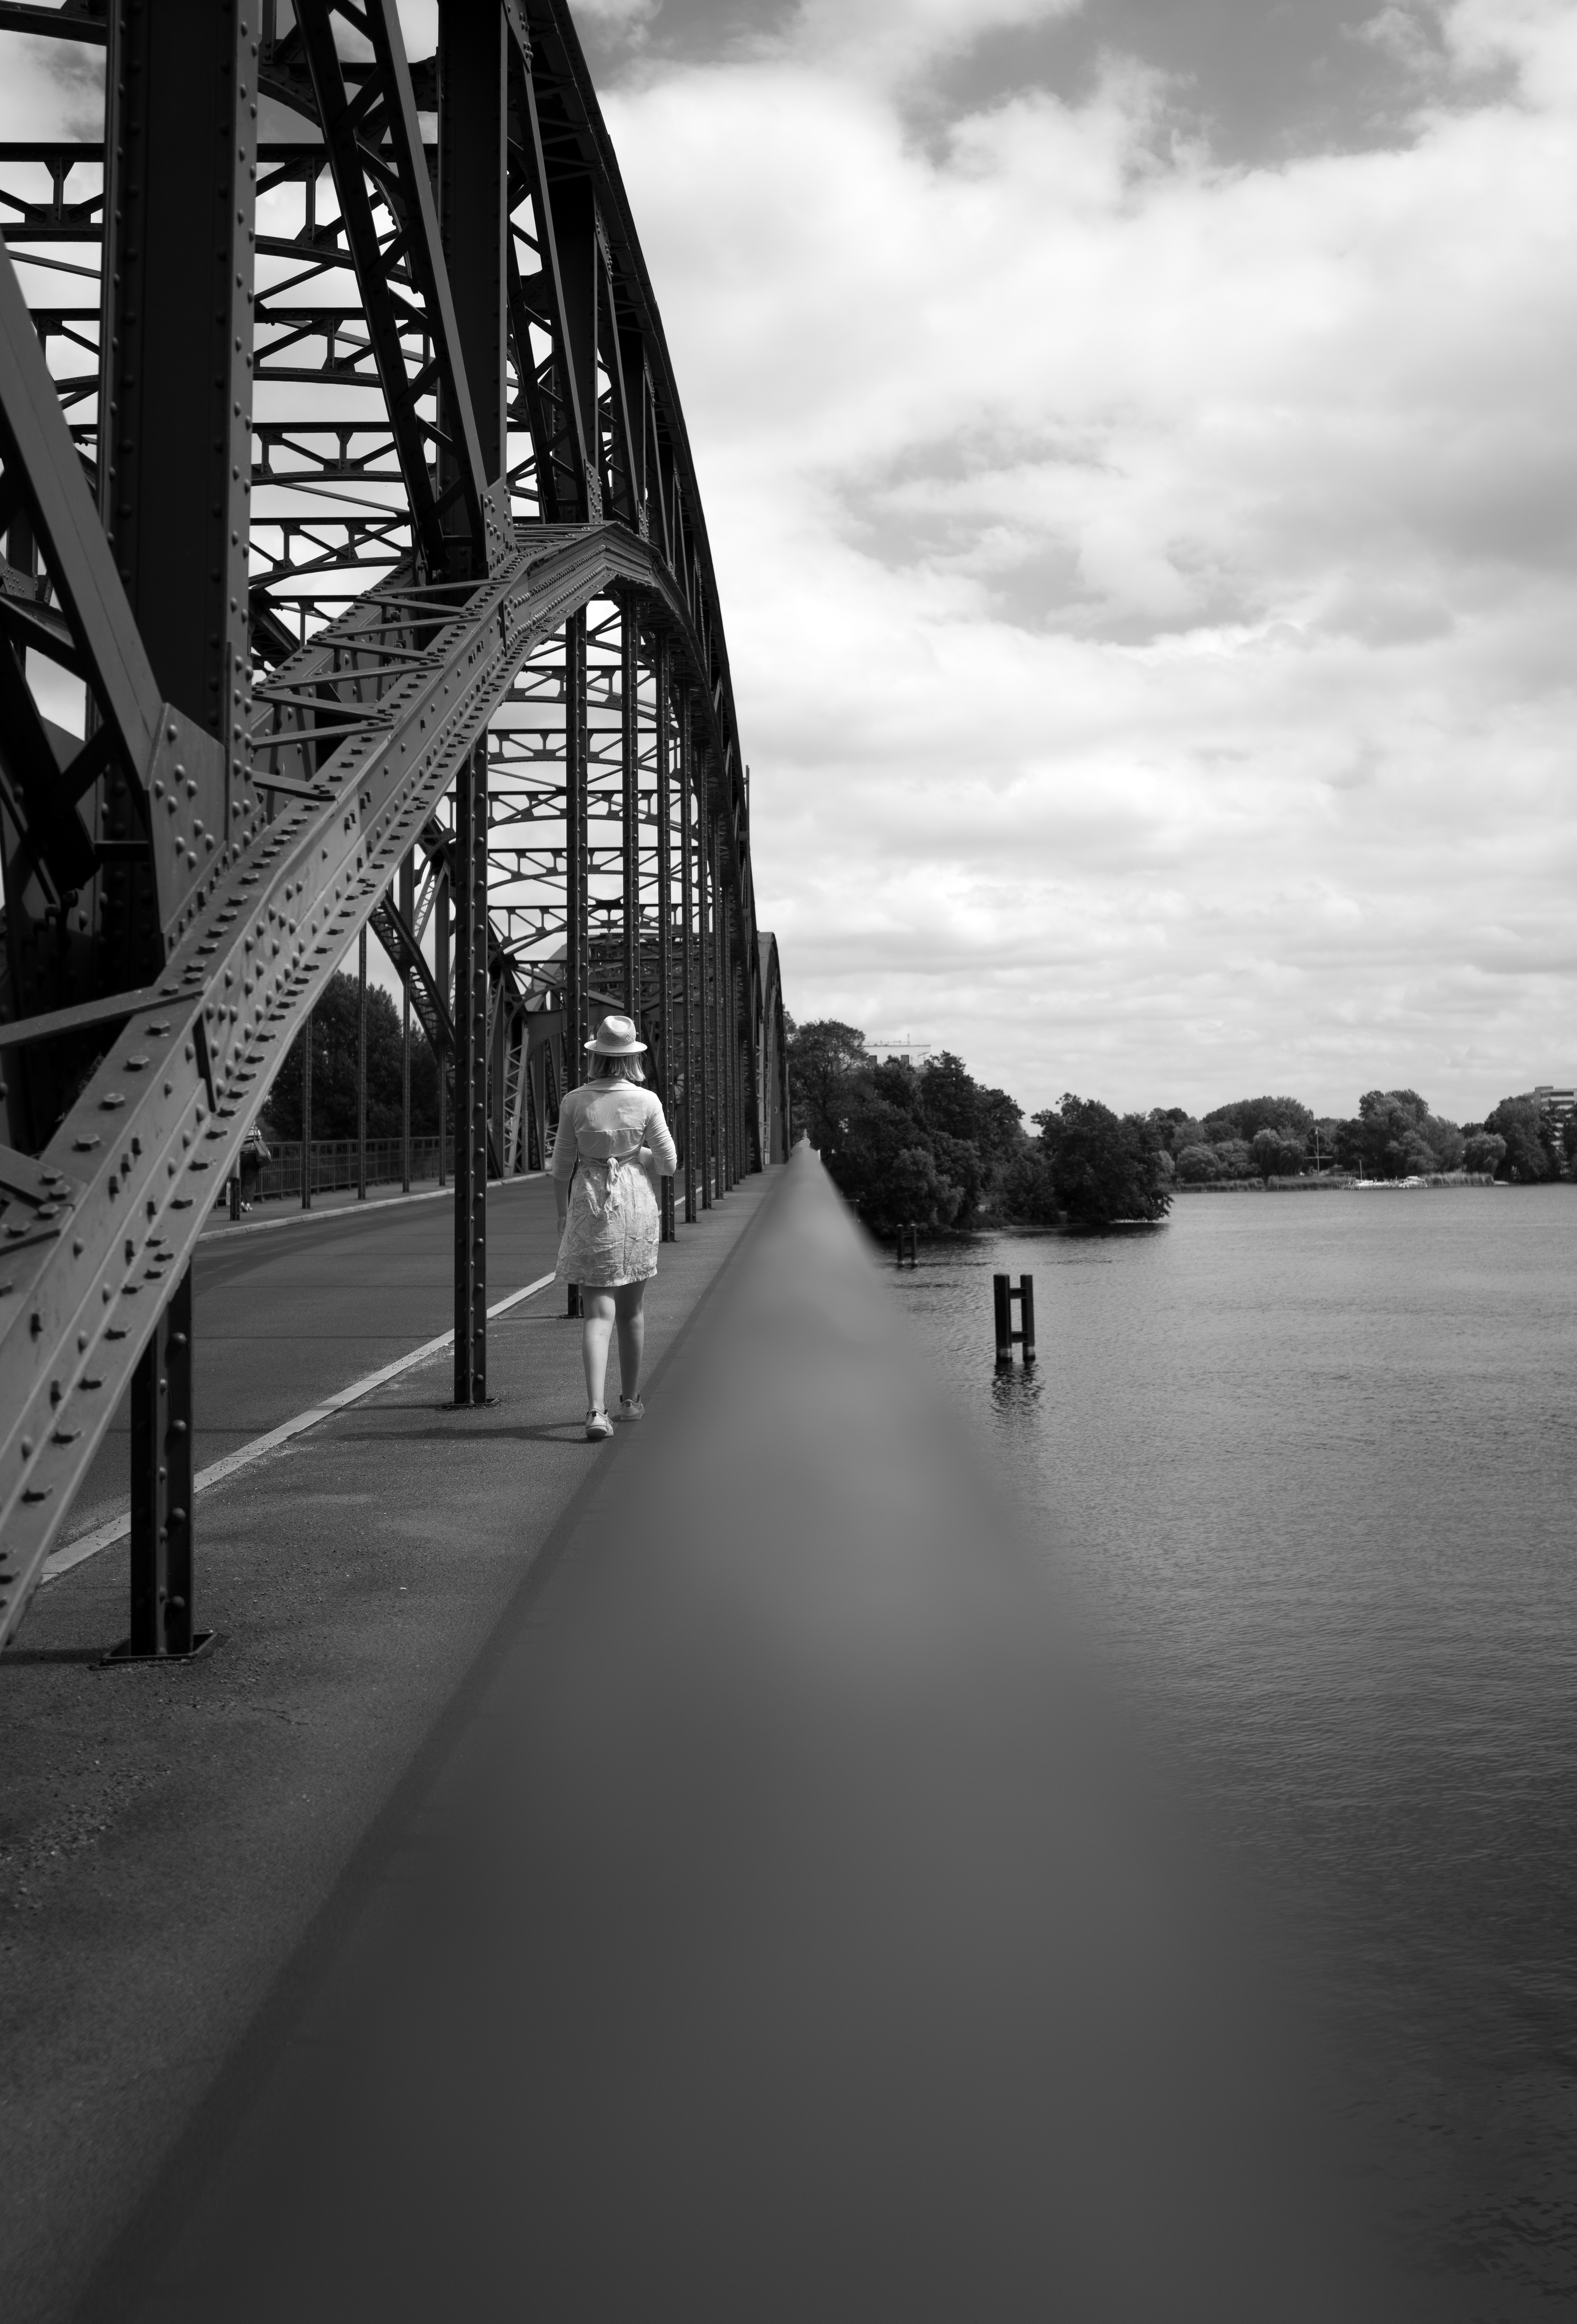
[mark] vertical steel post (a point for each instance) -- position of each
(1003, 1316)
(441, 971)
(408, 913)
(472, 207)
(730, 1045)
(175, 463)
(471, 1079)
(686, 954)
(1026, 1316)
(161, 1483)
(665, 898)
(362, 1065)
(307, 1113)
(703, 963)
(721, 1068)
(630, 825)
(574, 848)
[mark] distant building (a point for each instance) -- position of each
(1559, 1103)
(915, 1049)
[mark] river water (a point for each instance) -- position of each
(1314, 1459)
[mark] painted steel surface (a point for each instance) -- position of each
(508, 532)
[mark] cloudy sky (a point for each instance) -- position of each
(1138, 443)
(1139, 448)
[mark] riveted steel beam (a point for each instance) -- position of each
(375, 149)
(471, 1060)
(383, 645)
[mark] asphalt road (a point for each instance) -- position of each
(288, 1313)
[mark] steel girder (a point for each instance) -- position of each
(458, 541)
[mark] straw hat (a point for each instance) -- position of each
(615, 1037)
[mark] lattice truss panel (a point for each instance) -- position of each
(433, 458)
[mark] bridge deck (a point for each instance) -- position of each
(763, 1929)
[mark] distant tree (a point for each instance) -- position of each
(955, 1103)
(1246, 1116)
(1446, 1141)
(888, 1173)
(824, 1057)
(1532, 1148)
(871, 1118)
(1190, 1132)
(1396, 1136)
(1484, 1150)
(1235, 1157)
(1026, 1191)
(334, 1070)
(1198, 1163)
(900, 1083)
(1276, 1154)
(962, 1166)
(1103, 1168)
(915, 1193)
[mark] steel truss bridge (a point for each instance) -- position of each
(356, 576)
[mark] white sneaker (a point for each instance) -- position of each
(631, 1409)
(597, 1425)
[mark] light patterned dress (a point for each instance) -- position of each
(611, 1233)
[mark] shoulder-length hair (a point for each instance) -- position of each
(616, 1069)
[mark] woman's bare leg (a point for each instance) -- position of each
(628, 1302)
(596, 1309)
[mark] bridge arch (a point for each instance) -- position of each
(356, 577)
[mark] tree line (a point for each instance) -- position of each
(333, 1029)
(1394, 1134)
(934, 1147)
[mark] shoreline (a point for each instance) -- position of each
(1343, 1184)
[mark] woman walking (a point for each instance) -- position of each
(613, 1146)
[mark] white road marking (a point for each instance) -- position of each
(116, 1528)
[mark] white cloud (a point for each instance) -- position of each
(50, 88)
(1150, 586)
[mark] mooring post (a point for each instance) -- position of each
(908, 1245)
(1004, 1291)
